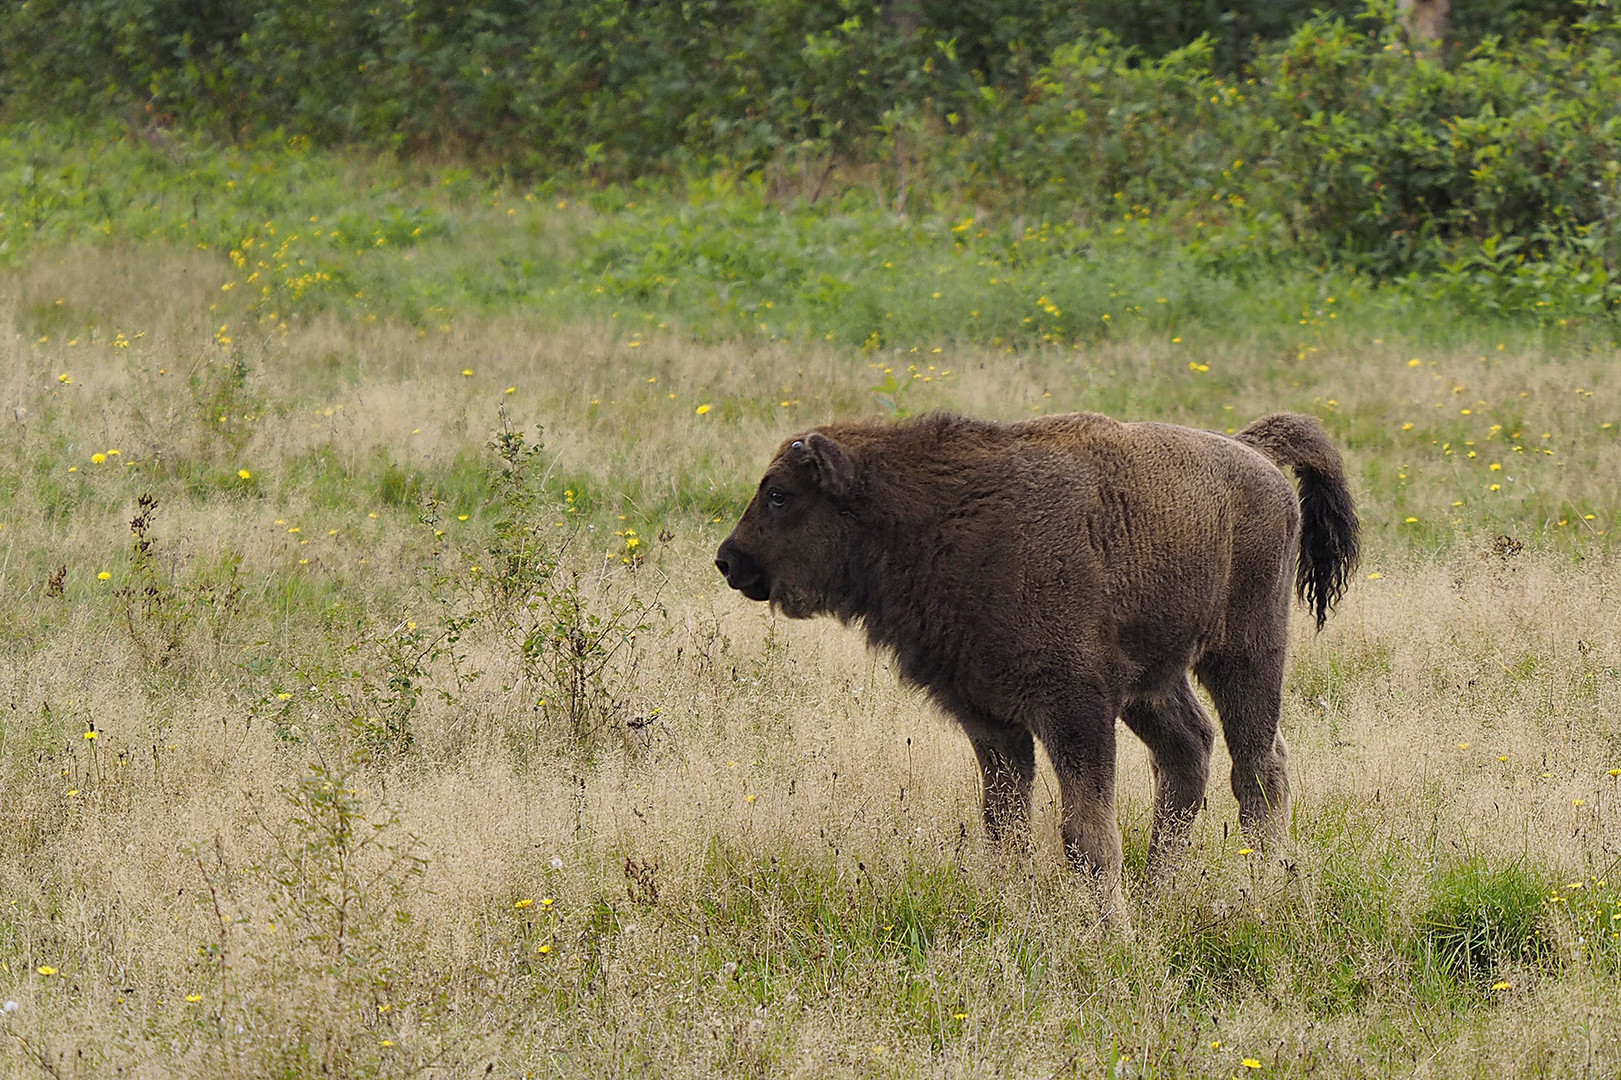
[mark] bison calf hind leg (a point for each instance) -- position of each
(1083, 758)
(1007, 765)
(1179, 736)
(1248, 693)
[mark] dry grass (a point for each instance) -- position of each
(766, 860)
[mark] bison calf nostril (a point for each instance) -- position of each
(723, 567)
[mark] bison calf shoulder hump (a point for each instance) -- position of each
(1044, 578)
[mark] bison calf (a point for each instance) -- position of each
(1041, 579)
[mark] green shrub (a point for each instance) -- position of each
(1394, 161)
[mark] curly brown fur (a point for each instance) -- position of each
(1046, 577)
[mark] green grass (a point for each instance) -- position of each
(296, 233)
(1480, 918)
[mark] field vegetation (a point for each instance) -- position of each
(370, 706)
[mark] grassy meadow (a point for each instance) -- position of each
(370, 705)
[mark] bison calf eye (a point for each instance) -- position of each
(776, 497)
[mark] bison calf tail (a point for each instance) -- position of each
(1328, 522)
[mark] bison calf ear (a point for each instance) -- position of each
(834, 470)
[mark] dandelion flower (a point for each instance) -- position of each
(1412, 521)
(512, 390)
(1250, 1063)
(98, 459)
(1375, 576)
(105, 575)
(1246, 851)
(1500, 986)
(702, 409)
(243, 474)
(46, 969)
(959, 1016)
(523, 903)
(64, 378)
(467, 373)
(544, 949)
(550, 900)
(91, 735)
(194, 998)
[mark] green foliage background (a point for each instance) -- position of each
(1489, 165)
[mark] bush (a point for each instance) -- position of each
(1493, 169)
(1394, 160)
(617, 86)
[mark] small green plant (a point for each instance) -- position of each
(368, 693)
(1587, 912)
(333, 868)
(159, 609)
(522, 561)
(572, 629)
(890, 392)
(148, 601)
(1481, 916)
(580, 647)
(224, 406)
(313, 944)
(396, 487)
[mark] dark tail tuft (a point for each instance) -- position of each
(1328, 522)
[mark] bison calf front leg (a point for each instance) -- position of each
(1007, 767)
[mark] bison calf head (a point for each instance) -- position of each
(792, 545)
